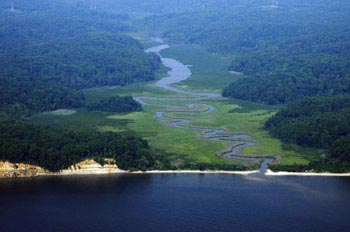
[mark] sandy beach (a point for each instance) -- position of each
(271, 173)
(196, 172)
(91, 167)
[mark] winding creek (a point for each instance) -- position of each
(180, 72)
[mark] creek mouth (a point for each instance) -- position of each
(236, 142)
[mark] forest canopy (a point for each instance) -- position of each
(55, 149)
(320, 122)
(115, 104)
(299, 49)
(49, 52)
(48, 55)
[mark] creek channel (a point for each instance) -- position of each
(180, 72)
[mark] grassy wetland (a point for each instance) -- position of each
(209, 75)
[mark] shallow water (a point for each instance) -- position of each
(175, 202)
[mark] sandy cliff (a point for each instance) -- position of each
(8, 169)
(92, 167)
(89, 166)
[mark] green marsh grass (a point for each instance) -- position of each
(210, 74)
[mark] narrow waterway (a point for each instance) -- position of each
(236, 142)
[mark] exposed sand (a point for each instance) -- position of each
(91, 167)
(271, 173)
(195, 172)
(86, 167)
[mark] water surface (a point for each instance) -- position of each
(175, 202)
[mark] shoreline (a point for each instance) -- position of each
(196, 172)
(268, 173)
(90, 167)
(283, 173)
(119, 171)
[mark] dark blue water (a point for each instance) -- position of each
(175, 202)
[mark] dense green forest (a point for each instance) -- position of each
(48, 55)
(312, 121)
(321, 122)
(115, 104)
(283, 79)
(299, 49)
(286, 53)
(56, 149)
(49, 52)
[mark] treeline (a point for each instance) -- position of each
(279, 79)
(320, 122)
(55, 149)
(50, 53)
(115, 104)
(286, 53)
